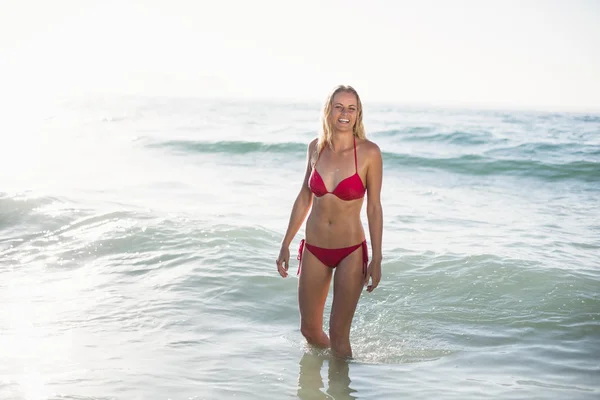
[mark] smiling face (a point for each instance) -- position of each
(344, 111)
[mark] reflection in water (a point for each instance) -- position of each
(309, 378)
(310, 381)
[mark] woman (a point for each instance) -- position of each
(341, 158)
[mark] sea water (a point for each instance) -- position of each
(138, 239)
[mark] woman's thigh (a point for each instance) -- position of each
(313, 286)
(347, 288)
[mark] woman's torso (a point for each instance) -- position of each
(338, 194)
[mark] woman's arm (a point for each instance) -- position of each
(375, 214)
(302, 204)
(299, 210)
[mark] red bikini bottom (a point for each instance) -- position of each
(332, 257)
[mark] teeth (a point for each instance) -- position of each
(344, 120)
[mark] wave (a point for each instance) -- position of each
(456, 137)
(15, 209)
(587, 118)
(503, 161)
(432, 134)
(562, 150)
(399, 132)
(480, 165)
(230, 147)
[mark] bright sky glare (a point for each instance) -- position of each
(533, 54)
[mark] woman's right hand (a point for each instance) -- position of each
(283, 261)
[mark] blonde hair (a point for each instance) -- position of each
(326, 135)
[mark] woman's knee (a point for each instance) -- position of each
(314, 335)
(311, 334)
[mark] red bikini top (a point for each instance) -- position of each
(351, 188)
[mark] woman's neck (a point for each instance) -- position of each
(342, 141)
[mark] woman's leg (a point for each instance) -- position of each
(313, 287)
(347, 288)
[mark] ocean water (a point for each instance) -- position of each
(138, 239)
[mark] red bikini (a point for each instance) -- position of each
(351, 188)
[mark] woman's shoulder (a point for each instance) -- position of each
(370, 148)
(312, 145)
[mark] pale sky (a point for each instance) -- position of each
(534, 54)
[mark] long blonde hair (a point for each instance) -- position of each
(326, 134)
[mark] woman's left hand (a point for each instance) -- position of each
(373, 272)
